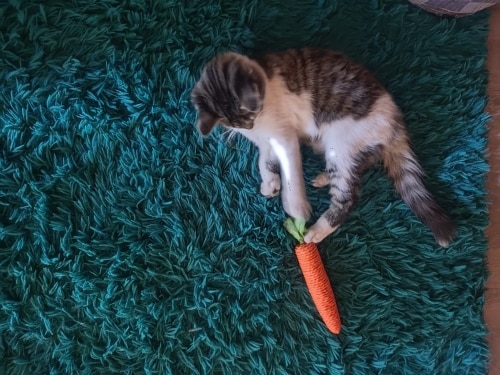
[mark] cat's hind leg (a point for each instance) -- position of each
(343, 191)
(344, 173)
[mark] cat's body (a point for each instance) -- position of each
(322, 99)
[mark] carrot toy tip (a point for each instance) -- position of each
(315, 275)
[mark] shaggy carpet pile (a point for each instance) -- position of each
(130, 245)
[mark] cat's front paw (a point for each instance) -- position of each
(319, 231)
(297, 208)
(271, 187)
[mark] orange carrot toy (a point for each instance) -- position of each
(314, 272)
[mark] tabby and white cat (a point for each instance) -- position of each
(322, 99)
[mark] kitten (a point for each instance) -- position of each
(322, 99)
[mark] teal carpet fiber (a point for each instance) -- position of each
(130, 245)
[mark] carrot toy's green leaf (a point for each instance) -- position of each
(296, 228)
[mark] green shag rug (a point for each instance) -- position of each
(130, 245)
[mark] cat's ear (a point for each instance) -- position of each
(206, 122)
(249, 88)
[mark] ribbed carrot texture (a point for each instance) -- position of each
(319, 286)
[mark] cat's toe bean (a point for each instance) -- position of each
(321, 180)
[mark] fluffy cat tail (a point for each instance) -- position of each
(406, 173)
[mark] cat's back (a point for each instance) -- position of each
(338, 87)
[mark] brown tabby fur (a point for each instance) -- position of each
(322, 99)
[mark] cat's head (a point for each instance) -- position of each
(230, 92)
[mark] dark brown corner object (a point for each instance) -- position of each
(455, 8)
